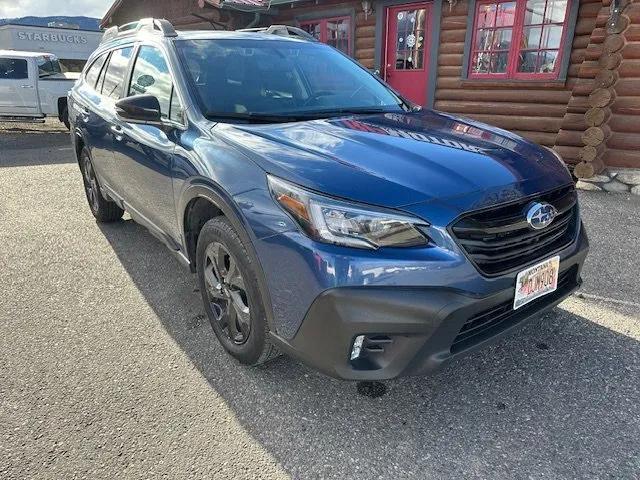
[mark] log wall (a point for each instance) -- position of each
(534, 110)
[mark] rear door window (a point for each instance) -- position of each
(94, 70)
(113, 84)
(13, 69)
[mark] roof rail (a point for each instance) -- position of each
(159, 25)
(283, 31)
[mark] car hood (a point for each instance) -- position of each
(401, 159)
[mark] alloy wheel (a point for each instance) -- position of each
(227, 293)
(91, 184)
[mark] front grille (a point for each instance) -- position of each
(496, 319)
(499, 240)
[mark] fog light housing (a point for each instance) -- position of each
(357, 347)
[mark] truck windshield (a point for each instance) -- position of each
(47, 66)
(277, 80)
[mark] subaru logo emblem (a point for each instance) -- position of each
(539, 215)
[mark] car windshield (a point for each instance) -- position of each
(277, 80)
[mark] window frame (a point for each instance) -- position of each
(323, 20)
(512, 74)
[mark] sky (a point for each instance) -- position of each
(45, 8)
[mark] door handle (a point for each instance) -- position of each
(26, 86)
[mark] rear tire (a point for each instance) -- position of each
(232, 299)
(65, 118)
(102, 209)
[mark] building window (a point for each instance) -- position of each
(332, 31)
(520, 39)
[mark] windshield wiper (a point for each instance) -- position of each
(333, 112)
(250, 117)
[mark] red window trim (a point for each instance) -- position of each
(512, 61)
(323, 29)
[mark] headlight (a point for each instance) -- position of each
(334, 221)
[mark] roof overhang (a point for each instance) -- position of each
(107, 16)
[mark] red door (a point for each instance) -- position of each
(406, 55)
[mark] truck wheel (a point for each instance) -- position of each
(230, 293)
(65, 118)
(104, 210)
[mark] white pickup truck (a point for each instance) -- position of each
(32, 87)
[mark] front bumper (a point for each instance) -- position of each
(413, 330)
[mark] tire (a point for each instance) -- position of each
(234, 305)
(65, 118)
(102, 209)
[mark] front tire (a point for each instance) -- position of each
(102, 209)
(232, 299)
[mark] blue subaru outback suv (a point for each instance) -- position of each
(325, 216)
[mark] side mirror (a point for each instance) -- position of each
(139, 109)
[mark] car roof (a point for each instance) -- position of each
(226, 34)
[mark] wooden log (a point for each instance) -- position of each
(626, 106)
(578, 105)
(596, 116)
(450, 59)
(506, 95)
(589, 10)
(458, 22)
(365, 53)
(574, 121)
(578, 55)
(600, 97)
(633, 12)
(366, 31)
(621, 158)
(628, 87)
(610, 61)
(598, 35)
(624, 141)
(618, 24)
(365, 42)
(584, 26)
(452, 47)
(630, 68)
(584, 170)
(448, 83)
(452, 35)
(633, 33)
(570, 137)
(589, 153)
(605, 78)
(583, 87)
(589, 69)
(450, 71)
(581, 41)
(621, 123)
(522, 123)
(613, 43)
(594, 136)
(541, 138)
(593, 52)
(502, 108)
(631, 51)
(568, 154)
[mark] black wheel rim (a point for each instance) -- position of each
(90, 184)
(227, 294)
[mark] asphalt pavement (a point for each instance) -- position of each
(109, 369)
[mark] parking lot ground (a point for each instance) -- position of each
(108, 368)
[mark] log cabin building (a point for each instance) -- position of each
(562, 73)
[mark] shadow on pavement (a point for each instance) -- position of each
(556, 399)
(27, 149)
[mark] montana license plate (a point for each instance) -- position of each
(536, 281)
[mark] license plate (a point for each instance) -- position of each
(536, 281)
